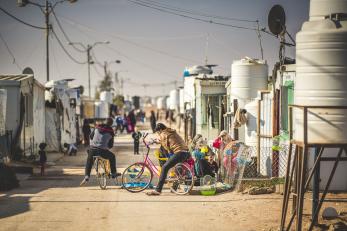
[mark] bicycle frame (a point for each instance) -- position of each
(147, 161)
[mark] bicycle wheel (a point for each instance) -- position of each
(101, 174)
(181, 179)
(137, 177)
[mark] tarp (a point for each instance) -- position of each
(51, 130)
(3, 100)
(39, 114)
(68, 131)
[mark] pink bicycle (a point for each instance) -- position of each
(138, 176)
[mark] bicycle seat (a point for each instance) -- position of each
(100, 158)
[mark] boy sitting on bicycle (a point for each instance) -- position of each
(173, 143)
(101, 140)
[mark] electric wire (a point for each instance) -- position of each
(97, 71)
(64, 49)
(10, 52)
(148, 66)
(198, 13)
(65, 35)
(33, 50)
(20, 20)
(55, 61)
(144, 46)
(191, 17)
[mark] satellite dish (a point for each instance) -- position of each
(28, 71)
(276, 19)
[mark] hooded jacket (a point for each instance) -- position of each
(102, 137)
(172, 142)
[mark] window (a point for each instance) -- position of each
(211, 109)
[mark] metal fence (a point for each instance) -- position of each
(268, 157)
(272, 163)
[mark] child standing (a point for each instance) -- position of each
(212, 164)
(43, 157)
(136, 136)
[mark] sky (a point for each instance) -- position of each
(154, 47)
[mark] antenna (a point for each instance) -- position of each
(28, 71)
(276, 20)
(260, 43)
(277, 26)
(206, 48)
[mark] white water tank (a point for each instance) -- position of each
(181, 108)
(167, 99)
(251, 125)
(106, 96)
(247, 77)
(321, 8)
(161, 103)
(321, 79)
(174, 99)
(101, 110)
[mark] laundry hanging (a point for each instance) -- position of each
(240, 117)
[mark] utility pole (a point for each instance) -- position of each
(47, 38)
(87, 49)
(47, 9)
(89, 62)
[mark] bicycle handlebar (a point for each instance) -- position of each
(147, 143)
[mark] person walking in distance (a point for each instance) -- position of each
(86, 132)
(172, 143)
(101, 140)
(153, 121)
(136, 136)
(43, 157)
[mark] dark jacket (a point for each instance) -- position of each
(102, 137)
(43, 157)
(136, 136)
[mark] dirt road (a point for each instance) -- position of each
(56, 202)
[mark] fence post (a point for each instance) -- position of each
(236, 131)
(258, 137)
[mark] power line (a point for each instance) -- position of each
(64, 49)
(115, 50)
(55, 62)
(65, 35)
(10, 52)
(20, 20)
(97, 72)
(190, 17)
(199, 13)
(142, 46)
(161, 38)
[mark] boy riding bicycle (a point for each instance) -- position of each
(173, 143)
(101, 140)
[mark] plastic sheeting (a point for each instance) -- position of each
(68, 118)
(3, 100)
(39, 115)
(52, 135)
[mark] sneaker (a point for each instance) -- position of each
(84, 181)
(116, 175)
(153, 193)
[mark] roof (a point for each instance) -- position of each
(20, 78)
(15, 77)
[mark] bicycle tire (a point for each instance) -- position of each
(183, 179)
(101, 175)
(137, 177)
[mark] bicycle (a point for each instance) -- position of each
(103, 171)
(138, 176)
